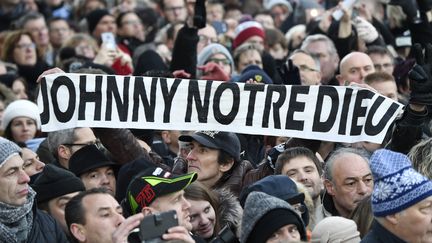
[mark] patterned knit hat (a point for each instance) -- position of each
(7, 150)
(397, 185)
(246, 30)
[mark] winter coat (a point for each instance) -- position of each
(229, 212)
(45, 229)
(379, 234)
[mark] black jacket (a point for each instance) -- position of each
(379, 234)
(45, 229)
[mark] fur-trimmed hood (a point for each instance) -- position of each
(230, 212)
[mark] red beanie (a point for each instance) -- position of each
(246, 30)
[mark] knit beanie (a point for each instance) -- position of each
(264, 214)
(94, 17)
(336, 229)
(54, 182)
(397, 186)
(246, 30)
(255, 73)
(7, 150)
(212, 49)
(269, 4)
(20, 108)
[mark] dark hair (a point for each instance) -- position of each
(378, 50)
(286, 156)
(8, 131)
(11, 40)
(74, 210)
(223, 159)
(198, 192)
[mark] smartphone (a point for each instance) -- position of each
(108, 40)
(154, 226)
(338, 13)
(220, 27)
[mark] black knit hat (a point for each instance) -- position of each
(54, 182)
(94, 17)
(87, 158)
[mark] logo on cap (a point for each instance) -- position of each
(210, 133)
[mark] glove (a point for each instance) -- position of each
(212, 71)
(290, 73)
(420, 76)
(200, 16)
(365, 30)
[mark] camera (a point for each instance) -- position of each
(152, 227)
(226, 235)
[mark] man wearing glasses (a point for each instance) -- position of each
(174, 11)
(64, 143)
(308, 68)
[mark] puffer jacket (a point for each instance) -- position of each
(45, 229)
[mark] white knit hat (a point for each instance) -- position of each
(20, 108)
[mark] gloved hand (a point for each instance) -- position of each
(290, 73)
(365, 30)
(212, 71)
(420, 76)
(200, 16)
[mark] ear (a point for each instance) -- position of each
(328, 185)
(227, 166)
(63, 152)
(393, 218)
(340, 79)
(78, 231)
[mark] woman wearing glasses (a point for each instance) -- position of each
(218, 54)
(19, 48)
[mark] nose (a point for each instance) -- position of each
(191, 155)
(23, 178)
(39, 165)
(362, 188)
(119, 219)
(104, 179)
(186, 204)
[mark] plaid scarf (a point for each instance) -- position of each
(16, 221)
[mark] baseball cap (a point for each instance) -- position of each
(225, 141)
(153, 183)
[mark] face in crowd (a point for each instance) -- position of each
(202, 218)
(351, 182)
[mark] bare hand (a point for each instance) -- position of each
(49, 71)
(121, 234)
(178, 233)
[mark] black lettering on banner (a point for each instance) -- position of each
(57, 83)
(295, 106)
(327, 125)
(253, 88)
(345, 108)
(194, 96)
(112, 91)
(372, 130)
(45, 115)
(149, 103)
(281, 89)
(168, 96)
(87, 97)
(359, 111)
(221, 118)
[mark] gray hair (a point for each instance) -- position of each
(320, 37)
(57, 138)
(328, 170)
(19, 24)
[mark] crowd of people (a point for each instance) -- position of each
(88, 184)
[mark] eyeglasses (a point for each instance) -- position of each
(97, 143)
(173, 9)
(206, 39)
(26, 46)
(219, 61)
(131, 22)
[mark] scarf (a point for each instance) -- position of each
(16, 221)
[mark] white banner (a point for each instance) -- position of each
(342, 114)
